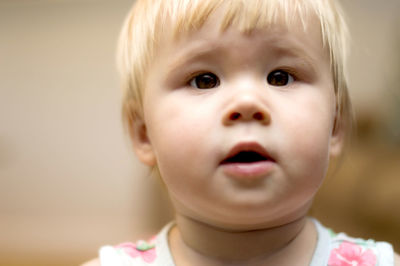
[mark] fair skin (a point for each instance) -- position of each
(211, 95)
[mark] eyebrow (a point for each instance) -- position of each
(276, 50)
(298, 54)
(192, 55)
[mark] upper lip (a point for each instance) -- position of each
(247, 147)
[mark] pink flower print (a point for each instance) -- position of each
(143, 249)
(350, 254)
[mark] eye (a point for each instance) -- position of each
(279, 78)
(204, 81)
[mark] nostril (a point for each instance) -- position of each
(234, 116)
(258, 116)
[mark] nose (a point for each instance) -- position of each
(246, 108)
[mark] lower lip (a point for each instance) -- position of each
(248, 170)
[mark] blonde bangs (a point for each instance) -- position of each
(245, 15)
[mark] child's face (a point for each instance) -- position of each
(210, 95)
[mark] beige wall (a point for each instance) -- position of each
(375, 58)
(68, 179)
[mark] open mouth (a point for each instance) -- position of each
(248, 161)
(247, 153)
(246, 157)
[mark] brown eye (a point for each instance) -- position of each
(205, 81)
(279, 78)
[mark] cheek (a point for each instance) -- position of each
(181, 152)
(307, 135)
(176, 130)
(311, 144)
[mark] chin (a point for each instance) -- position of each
(250, 218)
(239, 222)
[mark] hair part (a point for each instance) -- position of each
(148, 19)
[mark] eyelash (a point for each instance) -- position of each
(192, 80)
(291, 77)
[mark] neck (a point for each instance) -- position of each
(197, 241)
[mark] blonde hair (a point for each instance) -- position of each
(147, 19)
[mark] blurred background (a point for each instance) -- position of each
(69, 181)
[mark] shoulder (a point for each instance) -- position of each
(154, 251)
(94, 262)
(361, 250)
(343, 248)
(396, 259)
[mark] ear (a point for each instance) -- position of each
(141, 142)
(337, 138)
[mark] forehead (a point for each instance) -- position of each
(181, 17)
(206, 19)
(298, 36)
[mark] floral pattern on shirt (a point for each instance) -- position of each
(144, 250)
(352, 252)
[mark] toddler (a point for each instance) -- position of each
(239, 105)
